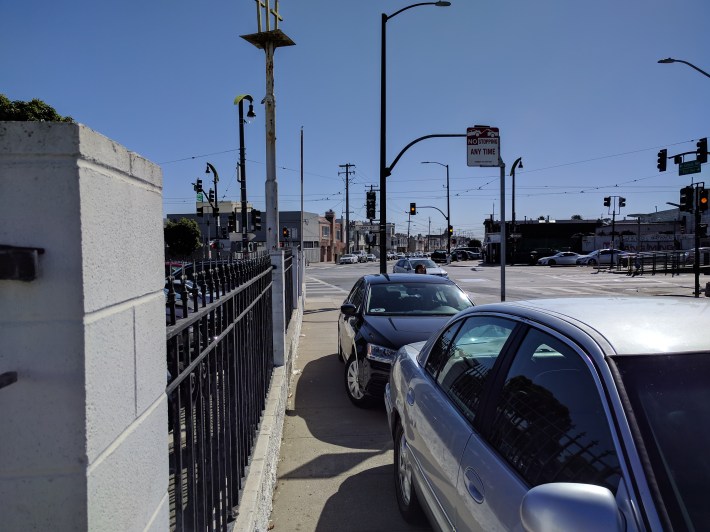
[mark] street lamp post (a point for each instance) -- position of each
(518, 163)
(448, 206)
(668, 60)
(239, 100)
(383, 128)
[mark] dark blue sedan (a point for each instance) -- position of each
(382, 313)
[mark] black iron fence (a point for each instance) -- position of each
(661, 262)
(220, 361)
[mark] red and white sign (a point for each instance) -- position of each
(483, 146)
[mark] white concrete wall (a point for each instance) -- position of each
(83, 432)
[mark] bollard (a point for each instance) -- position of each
(707, 289)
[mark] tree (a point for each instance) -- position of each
(182, 238)
(576, 217)
(474, 243)
(33, 111)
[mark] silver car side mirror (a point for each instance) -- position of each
(570, 506)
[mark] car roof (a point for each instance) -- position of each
(384, 278)
(627, 325)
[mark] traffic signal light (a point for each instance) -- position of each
(607, 201)
(703, 230)
(701, 155)
(200, 211)
(225, 234)
(662, 159)
(285, 232)
(412, 208)
(622, 202)
(210, 197)
(686, 199)
(197, 185)
(451, 229)
(256, 219)
(702, 199)
(232, 222)
(370, 205)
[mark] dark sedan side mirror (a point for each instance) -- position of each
(348, 309)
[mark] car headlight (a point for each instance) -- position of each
(380, 354)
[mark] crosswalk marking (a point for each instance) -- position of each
(317, 288)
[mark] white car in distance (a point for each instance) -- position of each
(563, 258)
(348, 259)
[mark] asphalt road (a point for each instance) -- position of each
(522, 282)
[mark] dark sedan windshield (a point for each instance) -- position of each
(411, 298)
(670, 395)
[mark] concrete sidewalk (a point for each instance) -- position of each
(336, 468)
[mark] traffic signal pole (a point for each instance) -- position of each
(502, 229)
(698, 205)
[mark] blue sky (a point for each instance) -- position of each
(574, 87)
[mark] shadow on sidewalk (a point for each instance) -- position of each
(337, 465)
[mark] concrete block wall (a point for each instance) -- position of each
(84, 429)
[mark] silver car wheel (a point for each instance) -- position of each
(353, 383)
(405, 471)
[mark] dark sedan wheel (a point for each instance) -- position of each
(354, 389)
(592, 262)
(407, 499)
(552, 262)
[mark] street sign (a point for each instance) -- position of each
(482, 146)
(689, 167)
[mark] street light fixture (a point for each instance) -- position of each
(383, 128)
(448, 206)
(668, 60)
(239, 100)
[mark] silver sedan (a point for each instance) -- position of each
(568, 414)
(409, 265)
(563, 258)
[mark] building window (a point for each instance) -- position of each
(325, 231)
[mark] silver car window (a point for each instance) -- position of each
(461, 366)
(549, 422)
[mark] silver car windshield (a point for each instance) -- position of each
(428, 263)
(413, 298)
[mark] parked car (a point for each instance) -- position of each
(409, 265)
(348, 259)
(382, 313)
(601, 257)
(566, 414)
(563, 258)
(466, 253)
(440, 256)
(371, 257)
(703, 254)
(537, 253)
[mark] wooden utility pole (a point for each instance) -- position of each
(268, 40)
(347, 167)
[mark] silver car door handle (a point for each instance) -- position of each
(410, 397)
(474, 485)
